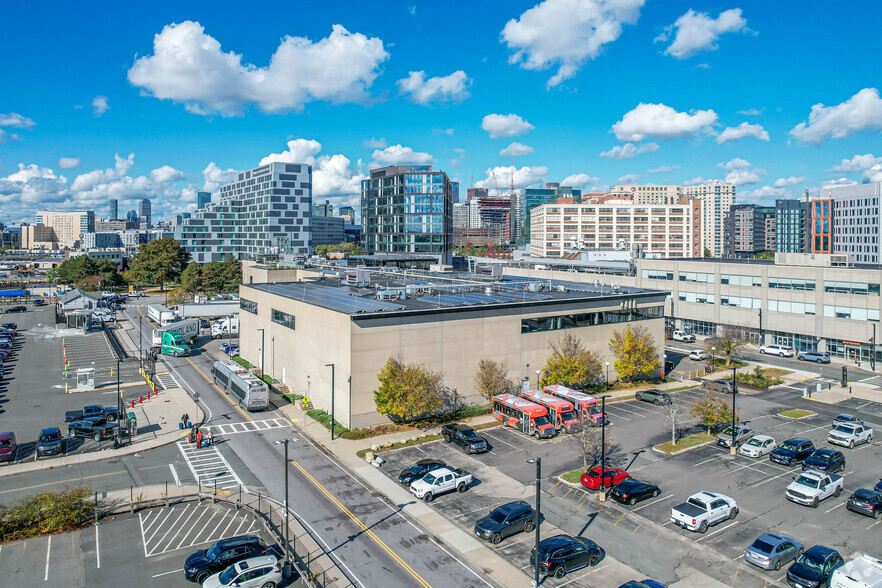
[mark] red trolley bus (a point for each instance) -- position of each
(587, 407)
(561, 412)
(523, 415)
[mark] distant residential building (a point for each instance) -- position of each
(38, 236)
(750, 229)
(10, 236)
(202, 199)
(820, 239)
(352, 233)
(145, 214)
(791, 226)
(496, 215)
(530, 198)
(115, 255)
(265, 210)
(327, 230)
(475, 193)
(101, 240)
(115, 225)
(454, 189)
(347, 213)
(408, 209)
(186, 215)
(114, 210)
(855, 220)
(69, 226)
(326, 209)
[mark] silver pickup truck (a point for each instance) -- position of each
(702, 510)
(850, 434)
(813, 486)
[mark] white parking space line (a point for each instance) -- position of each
(167, 573)
(654, 501)
(48, 550)
(705, 461)
(834, 508)
(729, 526)
(586, 574)
(174, 474)
(500, 440)
(874, 524)
(97, 549)
(760, 483)
(193, 526)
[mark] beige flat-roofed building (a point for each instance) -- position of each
(297, 330)
(69, 226)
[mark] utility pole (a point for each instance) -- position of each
(734, 391)
(538, 462)
(603, 447)
(333, 368)
(873, 350)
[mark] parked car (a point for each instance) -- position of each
(698, 355)
(772, 550)
(815, 356)
(96, 427)
(7, 446)
(683, 336)
(723, 385)
(50, 442)
(135, 294)
(17, 309)
(878, 487)
(779, 350)
(865, 502)
(846, 419)
(39, 302)
(465, 437)
(742, 434)
(812, 486)
(562, 554)
(630, 491)
(863, 571)
(643, 584)
(10, 326)
(814, 568)
(611, 476)
(206, 562)
(263, 571)
(702, 510)
(792, 451)
(418, 470)
(850, 435)
(825, 460)
(90, 411)
(505, 521)
(440, 481)
(758, 446)
(657, 397)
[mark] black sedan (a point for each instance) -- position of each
(418, 470)
(505, 521)
(631, 491)
(825, 460)
(865, 502)
(97, 428)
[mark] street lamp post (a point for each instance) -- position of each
(603, 446)
(261, 350)
(333, 369)
(537, 378)
(273, 352)
(713, 359)
(119, 407)
(140, 339)
(285, 464)
(229, 334)
(734, 390)
(538, 515)
(607, 375)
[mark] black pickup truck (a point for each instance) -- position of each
(96, 427)
(465, 437)
(92, 410)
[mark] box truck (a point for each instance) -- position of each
(188, 330)
(225, 327)
(160, 315)
(207, 309)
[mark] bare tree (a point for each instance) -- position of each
(676, 413)
(729, 341)
(586, 442)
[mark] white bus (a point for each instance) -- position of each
(160, 315)
(249, 390)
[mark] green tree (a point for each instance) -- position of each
(320, 250)
(162, 260)
(231, 271)
(707, 252)
(191, 278)
(408, 391)
(492, 378)
(729, 341)
(88, 273)
(635, 352)
(711, 409)
(212, 277)
(570, 364)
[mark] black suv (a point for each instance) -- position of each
(17, 309)
(221, 555)
(418, 470)
(505, 521)
(49, 443)
(792, 451)
(562, 553)
(814, 568)
(825, 460)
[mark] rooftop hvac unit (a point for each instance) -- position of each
(488, 290)
(596, 283)
(615, 288)
(562, 289)
(496, 271)
(534, 286)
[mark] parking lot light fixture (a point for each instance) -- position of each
(734, 389)
(538, 372)
(713, 359)
(538, 515)
(603, 445)
(607, 375)
(285, 465)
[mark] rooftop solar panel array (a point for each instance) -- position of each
(329, 297)
(463, 299)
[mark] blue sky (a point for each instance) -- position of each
(163, 99)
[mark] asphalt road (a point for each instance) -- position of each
(374, 541)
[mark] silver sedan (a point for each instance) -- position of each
(772, 550)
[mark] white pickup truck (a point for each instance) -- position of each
(440, 481)
(702, 510)
(812, 486)
(683, 336)
(849, 435)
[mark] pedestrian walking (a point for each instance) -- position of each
(211, 437)
(199, 440)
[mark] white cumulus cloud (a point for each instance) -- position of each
(750, 112)
(332, 175)
(741, 172)
(452, 88)
(857, 163)
(861, 112)
(787, 182)
(69, 162)
(767, 193)
(629, 179)
(837, 182)
(743, 130)
(503, 126)
(580, 181)
(566, 33)
(373, 143)
(516, 149)
(15, 121)
(629, 150)
(188, 66)
(400, 155)
(523, 177)
(660, 121)
(215, 177)
(696, 32)
(167, 174)
(99, 105)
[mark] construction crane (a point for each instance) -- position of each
(493, 173)
(512, 176)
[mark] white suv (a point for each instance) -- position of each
(779, 350)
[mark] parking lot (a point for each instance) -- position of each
(147, 548)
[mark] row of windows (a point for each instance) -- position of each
(248, 306)
(588, 319)
(697, 297)
(657, 275)
(848, 312)
(792, 284)
(283, 318)
(740, 301)
(851, 288)
(696, 277)
(736, 280)
(792, 307)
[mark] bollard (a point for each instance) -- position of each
(133, 403)
(148, 394)
(140, 400)
(214, 496)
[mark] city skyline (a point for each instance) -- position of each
(670, 93)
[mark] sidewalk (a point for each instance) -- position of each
(158, 420)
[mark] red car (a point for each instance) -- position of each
(611, 477)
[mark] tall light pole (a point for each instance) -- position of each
(140, 339)
(261, 351)
(713, 359)
(273, 347)
(607, 375)
(537, 379)
(734, 390)
(333, 369)
(538, 515)
(229, 334)
(285, 464)
(119, 408)
(603, 447)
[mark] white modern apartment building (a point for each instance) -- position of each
(265, 210)
(68, 226)
(717, 197)
(856, 220)
(667, 230)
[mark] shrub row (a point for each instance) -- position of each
(51, 511)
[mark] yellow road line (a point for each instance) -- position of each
(370, 533)
(56, 482)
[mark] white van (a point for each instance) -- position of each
(862, 572)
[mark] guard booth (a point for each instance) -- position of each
(85, 379)
(80, 319)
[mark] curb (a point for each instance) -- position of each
(682, 450)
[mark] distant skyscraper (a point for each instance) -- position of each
(202, 198)
(790, 226)
(114, 210)
(454, 187)
(144, 212)
(348, 213)
(326, 209)
(132, 216)
(474, 193)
